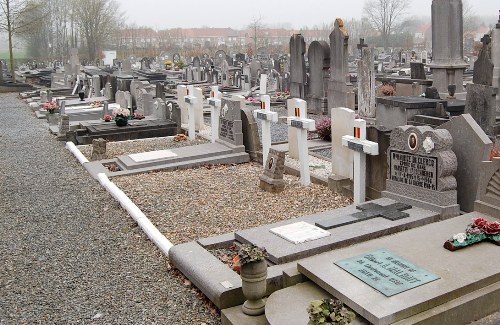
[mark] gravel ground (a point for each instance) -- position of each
(191, 204)
(68, 253)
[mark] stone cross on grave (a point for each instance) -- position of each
(266, 116)
(361, 148)
(302, 125)
(368, 211)
(191, 101)
(361, 44)
(215, 105)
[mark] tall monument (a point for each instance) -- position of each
(448, 64)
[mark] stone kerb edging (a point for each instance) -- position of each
(149, 229)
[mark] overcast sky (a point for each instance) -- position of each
(161, 14)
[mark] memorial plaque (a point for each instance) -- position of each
(297, 124)
(386, 272)
(261, 116)
(152, 155)
(300, 232)
(211, 102)
(416, 170)
(355, 146)
(226, 129)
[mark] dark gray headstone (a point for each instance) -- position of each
(431, 93)
(319, 63)
(160, 90)
(483, 68)
(173, 112)
(417, 70)
(339, 42)
(297, 66)
(230, 124)
(480, 103)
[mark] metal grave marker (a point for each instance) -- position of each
(386, 272)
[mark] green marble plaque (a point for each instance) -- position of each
(386, 272)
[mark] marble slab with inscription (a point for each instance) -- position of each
(300, 232)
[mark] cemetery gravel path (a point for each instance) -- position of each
(68, 253)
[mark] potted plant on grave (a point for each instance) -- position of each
(51, 108)
(121, 116)
(329, 312)
(253, 272)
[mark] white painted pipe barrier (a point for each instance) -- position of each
(74, 150)
(149, 229)
(153, 234)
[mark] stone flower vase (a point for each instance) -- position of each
(253, 277)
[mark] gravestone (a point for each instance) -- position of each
(230, 124)
(181, 93)
(339, 75)
(481, 105)
(144, 102)
(417, 71)
(471, 146)
(173, 113)
(225, 73)
(123, 99)
(366, 84)
(495, 57)
(297, 66)
(447, 65)
(255, 69)
(319, 63)
(342, 124)
(63, 127)
(159, 109)
(96, 86)
(108, 92)
(98, 149)
(432, 93)
(488, 195)
(483, 68)
(272, 178)
(127, 66)
(160, 90)
(421, 169)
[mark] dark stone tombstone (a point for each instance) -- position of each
(432, 93)
(297, 66)
(319, 63)
(417, 70)
(173, 113)
(230, 123)
(160, 90)
(483, 68)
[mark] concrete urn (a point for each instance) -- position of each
(253, 276)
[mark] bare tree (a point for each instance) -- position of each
(471, 20)
(385, 15)
(97, 20)
(255, 27)
(13, 22)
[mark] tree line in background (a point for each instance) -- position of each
(50, 28)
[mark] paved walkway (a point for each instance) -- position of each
(68, 253)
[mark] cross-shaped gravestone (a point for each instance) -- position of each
(191, 101)
(215, 105)
(263, 84)
(368, 211)
(361, 148)
(266, 116)
(361, 44)
(302, 124)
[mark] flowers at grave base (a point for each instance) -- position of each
(121, 112)
(329, 312)
(494, 154)
(324, 129)
(281, 96)
(388, 90)
(253, 100)
(50, 107)
(479, 230)
(107, 118)
(180, 137)
(138, 116)
(96, 104)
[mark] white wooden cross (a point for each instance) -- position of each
(191, 101)
(266, 116)
(215, 105)
(302, 125)
(361, 148)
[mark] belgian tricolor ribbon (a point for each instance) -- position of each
(297, 112)
(357, 133)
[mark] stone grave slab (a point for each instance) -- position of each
(85, 101)
(300, 232)
(152, 155)
(282, 251)
(461, 276)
